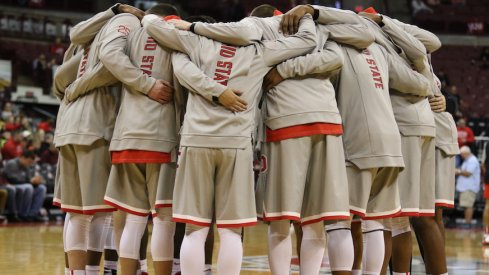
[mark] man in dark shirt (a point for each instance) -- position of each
(29, 188)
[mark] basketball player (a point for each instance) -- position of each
(485, 217)
(85, 127)
(216, 154)
(314, 116)
(417, 127)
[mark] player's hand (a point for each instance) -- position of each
(161, 92)
(374, 17)
(123, 8)
(231, 99)
(272, 79)
(180, 24)
(290, 21)
(438, 104)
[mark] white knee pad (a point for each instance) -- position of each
(110, 239)
(65, 228)
(330, 226)
(162, 239)
(400, 226)
(340, 247)
(99, 227)
(131, 236)
(77, 232)
(371, 226)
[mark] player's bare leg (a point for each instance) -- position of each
(402, 244)
(439, 222)
(468, 214)
(431, 239)
(209, 250)
(356, 234)
(298, 238)
(119, 220)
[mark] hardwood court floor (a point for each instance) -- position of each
(37, 249)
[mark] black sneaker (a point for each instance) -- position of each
(108, 271)
(13, 218)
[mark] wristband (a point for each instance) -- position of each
(115, 8)
(381, 24)
(215, 99)
(192, 27)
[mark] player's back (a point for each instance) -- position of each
(140, 117)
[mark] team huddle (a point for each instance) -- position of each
(339, 113)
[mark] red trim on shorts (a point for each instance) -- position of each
(446, 205)
(486, 190)
(55, 203)
(126, 210)
(279, 218)
(139, 156)
(163, 205)
(363, 216)
(235, 225)
(326, 218)
(191, 222)
(304, 130)
(416, 214)
(87, 212)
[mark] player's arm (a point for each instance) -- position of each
(84, 32)
(192, 78)
(412, 47)
(358, 36)
(65, 74)
(168, 35)
(323, 15)
(430, 41)
(92, 79)
(302, 42)
(406, 80)
(241, 33)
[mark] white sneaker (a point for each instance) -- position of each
(485, 239)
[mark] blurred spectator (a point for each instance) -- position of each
(484, 58)
(232, 10)
(50, 156)
(454, 92)
(12, 124)
(13, 148)
(38, 26)
(57, 48)
(3, 22)
(7, 111)
(29, 187)
(46, 125)
(468, 183)
(65, 29)
(419, 6)
(39, 67)
(451, 102)
(465, 134)
(443, 79)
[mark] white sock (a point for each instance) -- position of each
(192, 254)
(279, 247)
(230, 251)
(312, 248)
(208, 269)
(373, 247)
(143, 263)
(67, 271)
(401, 273)
(112, 265)
(92, 269)
(77, 272)
(340, 250)
(176, 266)
(162, 239)
(131, 237)
(356, 272)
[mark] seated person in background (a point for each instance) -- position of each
(29, 188)
(3, 201)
